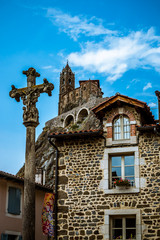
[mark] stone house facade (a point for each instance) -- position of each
(11, 207)
(89, 204)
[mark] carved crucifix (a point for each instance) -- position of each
(30, 96)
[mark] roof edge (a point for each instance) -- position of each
(17, 179)
(76, 134)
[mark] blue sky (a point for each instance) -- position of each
(117, 42)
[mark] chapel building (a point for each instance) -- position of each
(69, 96)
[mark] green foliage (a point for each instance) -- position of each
(74, 127)
(79, 122)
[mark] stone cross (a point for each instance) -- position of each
(29, 96)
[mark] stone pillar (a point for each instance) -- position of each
(29, 186)
(30, 96)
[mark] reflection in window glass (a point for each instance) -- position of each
(122, 167)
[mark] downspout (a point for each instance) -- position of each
(156, 131)
(104, 140)
(56, 185)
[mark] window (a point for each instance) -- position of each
(123, 227)
(122, 224)
(10, 237)
(121, 128)
(129, 165)
(122, 167)
(14, 200)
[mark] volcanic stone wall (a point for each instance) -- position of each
(82, 205)
(80, 201)
(149, 197)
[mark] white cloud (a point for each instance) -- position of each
(116, 55)
(75, 26)
(149, 85)
(111, 53)
(47, 67)
(152, 105)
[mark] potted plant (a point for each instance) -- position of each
(122, 183)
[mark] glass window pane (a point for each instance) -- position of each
(117, 136)
(127, 128)
(130, 233)
(129, 171)
(117, 129)
(116, 171)
(129, 160)
(125, 121)
(117, 223)
(117, 122)
(117, 233)
(130, 222)
(127, 135)
(116, 161)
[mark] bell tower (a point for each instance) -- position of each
(67, 84)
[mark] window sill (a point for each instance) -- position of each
(13, 215)
(132, 140)
(117, 191)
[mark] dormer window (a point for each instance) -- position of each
(121, 128)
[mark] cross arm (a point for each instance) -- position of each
(18, 93)
(14, 93)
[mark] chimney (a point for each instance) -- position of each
(158, 96)
(40, 176)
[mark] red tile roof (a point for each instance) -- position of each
(20, 180)
(120, 97)
(93, 132)
(118, 94)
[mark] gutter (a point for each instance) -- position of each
(155, 129)
(56, 185)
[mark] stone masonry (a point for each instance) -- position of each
(82, 204)
(86, 201)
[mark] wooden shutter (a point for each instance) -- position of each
(14, 200)
(4, 236)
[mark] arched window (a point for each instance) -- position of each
(82, 115)
(121, 128)
(69, 120)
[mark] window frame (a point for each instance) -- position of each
(121, 127)
(122, 167)
(108, 214)
(123, 217)
(105, 165)
(18, 235)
